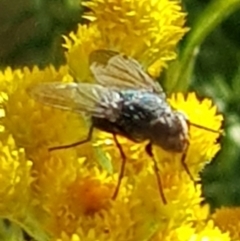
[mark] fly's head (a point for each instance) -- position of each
(170, 131)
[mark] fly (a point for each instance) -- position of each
(125, 101)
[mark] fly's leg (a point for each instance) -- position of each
(156, 170)
(121, 174)
(183, 162)
(88, 138)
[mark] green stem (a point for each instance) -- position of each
(213, 15)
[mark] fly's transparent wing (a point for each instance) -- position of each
(92, 99)
(101, 56)
(117, 70)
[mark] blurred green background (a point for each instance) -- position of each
(31, 34)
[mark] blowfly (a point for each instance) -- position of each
(124, 101)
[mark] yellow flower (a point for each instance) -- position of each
(186, 232)
(67, 193)
(35, 130)
(71, 195)
(228, 220)
(146, 30)
(79, 45)
(210, 232)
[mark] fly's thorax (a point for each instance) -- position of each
(170, 131)
(113, 109)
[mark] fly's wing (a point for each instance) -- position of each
(117, 70)
(92, 99)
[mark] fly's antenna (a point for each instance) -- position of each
(221, 132)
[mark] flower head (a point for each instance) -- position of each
(17, 104)
(145, 30)
(71, 189)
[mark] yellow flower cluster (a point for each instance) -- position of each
(147, 30)
(66, 194)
